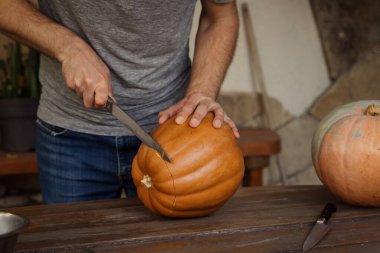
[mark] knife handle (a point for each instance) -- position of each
(109, 104)
(329, 209)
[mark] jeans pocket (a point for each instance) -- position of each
(50, 129)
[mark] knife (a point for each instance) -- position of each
(320, 228)
(135, 128)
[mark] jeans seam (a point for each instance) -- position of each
(118, 156)
(51, 132)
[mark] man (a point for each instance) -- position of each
(135, 51)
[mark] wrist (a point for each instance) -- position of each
(70, 46)
(198, 94)
(202, 93)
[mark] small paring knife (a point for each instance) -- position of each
(135, 128)
(320, 229)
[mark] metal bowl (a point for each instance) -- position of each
(10, 227)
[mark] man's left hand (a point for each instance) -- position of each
(198, 105)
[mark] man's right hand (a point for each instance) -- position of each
(82, 68)
(86, 74)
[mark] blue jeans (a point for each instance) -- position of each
(76, 166)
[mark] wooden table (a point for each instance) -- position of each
(256, 219)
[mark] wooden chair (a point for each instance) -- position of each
(257, 145)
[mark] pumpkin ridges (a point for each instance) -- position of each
(361, 162)
(218, 141)
(138, 172)
(173, 184)
(366, 127)
(161, 200)
(137, 176)
(200, 211)
(319, 141)
(161, 185)
(198, 168)
(159, 206)
(376, 145)
(198, 203)
(162, 178)
(185, 152)
(347, 158)
(145, 195)
(191, 165)
(330, 149)
(154, 203)
(182, 150)
(369, 166)
(140, 159)
(332, 131)
(220, 157)
(159, 167)
(182, 143)
(206, 175)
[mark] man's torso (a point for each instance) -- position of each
(145, 46)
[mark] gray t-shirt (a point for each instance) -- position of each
(145, 45)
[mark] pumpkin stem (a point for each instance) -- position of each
(372, 110)
(146, 181)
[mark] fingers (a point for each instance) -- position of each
(100, 96)
(233, 126)
(170, 112)
(195, 104)
(198, 106)
(187, 109)
(87, 75)
(88, 99)
(200, 112)
(93, 94)
(219, 117)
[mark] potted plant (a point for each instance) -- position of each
(19, 94)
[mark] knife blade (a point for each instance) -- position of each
(135, 128)
(320, 229)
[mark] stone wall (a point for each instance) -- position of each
(295, 132)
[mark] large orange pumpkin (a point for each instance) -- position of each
(346, 152)
(206, 169)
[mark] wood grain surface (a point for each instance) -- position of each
(256, 219)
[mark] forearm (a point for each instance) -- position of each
(21, 21)
(83, 70)
(214, 48)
